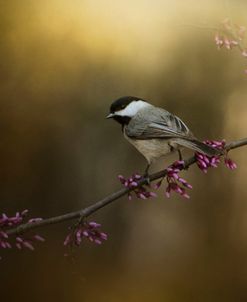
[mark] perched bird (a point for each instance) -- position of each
(154, 131)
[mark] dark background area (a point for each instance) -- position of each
(61, 65)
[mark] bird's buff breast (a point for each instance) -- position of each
(153, 149)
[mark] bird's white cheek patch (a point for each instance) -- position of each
(132, 108)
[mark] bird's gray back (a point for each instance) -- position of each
(154, 122)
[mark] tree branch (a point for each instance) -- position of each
(85, 212)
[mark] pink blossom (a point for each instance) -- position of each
(244, 53)
(176, 183)
(230, 164)
(205, 162)
(219, 41)
(8, 222)
(38, 238)
(230, 35)
(224, 41)
(132, 183)
(87, 230)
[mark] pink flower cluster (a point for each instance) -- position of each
(28, 243)
(7, 222)
(231, 35)
(205, 162)
(87, 230)
(175, 183)
(230, 163)
(132, 183)
(18, 218)
(224, 41)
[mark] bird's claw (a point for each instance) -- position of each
(147, 179)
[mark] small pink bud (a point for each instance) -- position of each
(39, 238)
(19, 239)
(103, 236)
(97, 241)
(18, 245)
(85, 233)
(244, 53)
(152, 194)
(157, 185)
(28, 245)
(94, 224)
(168, 195)
(142, 196)
(24, 213)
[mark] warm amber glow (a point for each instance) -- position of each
(62, 63)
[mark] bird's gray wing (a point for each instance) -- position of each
(156, 122)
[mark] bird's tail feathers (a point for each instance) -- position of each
(199, 146)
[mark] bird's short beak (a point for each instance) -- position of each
(110, 115)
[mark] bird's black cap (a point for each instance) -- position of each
(122, 102)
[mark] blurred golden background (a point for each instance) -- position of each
(62, 64)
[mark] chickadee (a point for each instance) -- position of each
(154, 131)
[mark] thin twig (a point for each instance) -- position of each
(85, 212)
